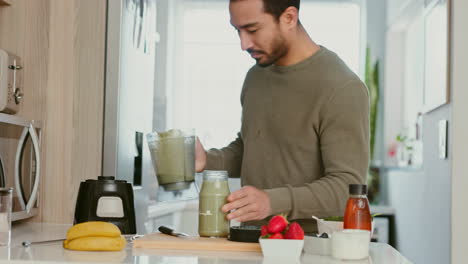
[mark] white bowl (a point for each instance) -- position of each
(329, 226)
(350, 244)
(317, 245)
(282, 248)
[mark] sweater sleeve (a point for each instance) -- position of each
(228, 158)
(344, 145)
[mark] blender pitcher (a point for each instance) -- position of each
(173, 157)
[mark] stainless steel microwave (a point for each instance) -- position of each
(20, 163)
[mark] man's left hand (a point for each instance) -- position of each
(249, 203)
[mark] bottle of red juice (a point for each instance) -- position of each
(357, 213)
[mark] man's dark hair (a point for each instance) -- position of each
(277, 7)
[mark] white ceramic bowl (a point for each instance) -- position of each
(282, 248)
(317, 245)
(329, 226)
(350, 244)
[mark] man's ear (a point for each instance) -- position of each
(289, 17)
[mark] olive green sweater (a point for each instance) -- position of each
(304, 136)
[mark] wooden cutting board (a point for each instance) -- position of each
(162, 241)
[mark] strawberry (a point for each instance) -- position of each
(294, 231)
(277, 224)
(264, 231)
(276, 236)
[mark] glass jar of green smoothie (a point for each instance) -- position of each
(212, 222)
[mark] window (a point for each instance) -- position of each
(204, 83)
(337, 26)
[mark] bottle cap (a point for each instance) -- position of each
(244, 233)
(215, 175)
(357, 189)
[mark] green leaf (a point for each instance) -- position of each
(333, 218)
(376, 214)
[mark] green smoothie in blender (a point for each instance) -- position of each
(173, 156)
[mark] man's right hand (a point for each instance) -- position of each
(200, 156)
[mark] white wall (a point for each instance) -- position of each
(422, 198)
(460, 131)
(394, 9)
(376, 14)
(437, 196)
(376, 28)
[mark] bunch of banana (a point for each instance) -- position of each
(94, 236)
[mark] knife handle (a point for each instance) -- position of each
(166, 230)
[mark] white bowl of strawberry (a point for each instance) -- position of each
(282, 239)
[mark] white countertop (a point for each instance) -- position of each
(54, 252)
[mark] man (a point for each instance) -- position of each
(305, 122)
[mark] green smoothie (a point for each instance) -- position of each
(212, 222)
(173, 156)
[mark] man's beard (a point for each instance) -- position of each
(279, 49)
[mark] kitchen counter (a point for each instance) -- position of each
(53, 252)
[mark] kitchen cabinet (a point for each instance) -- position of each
(62, 46)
